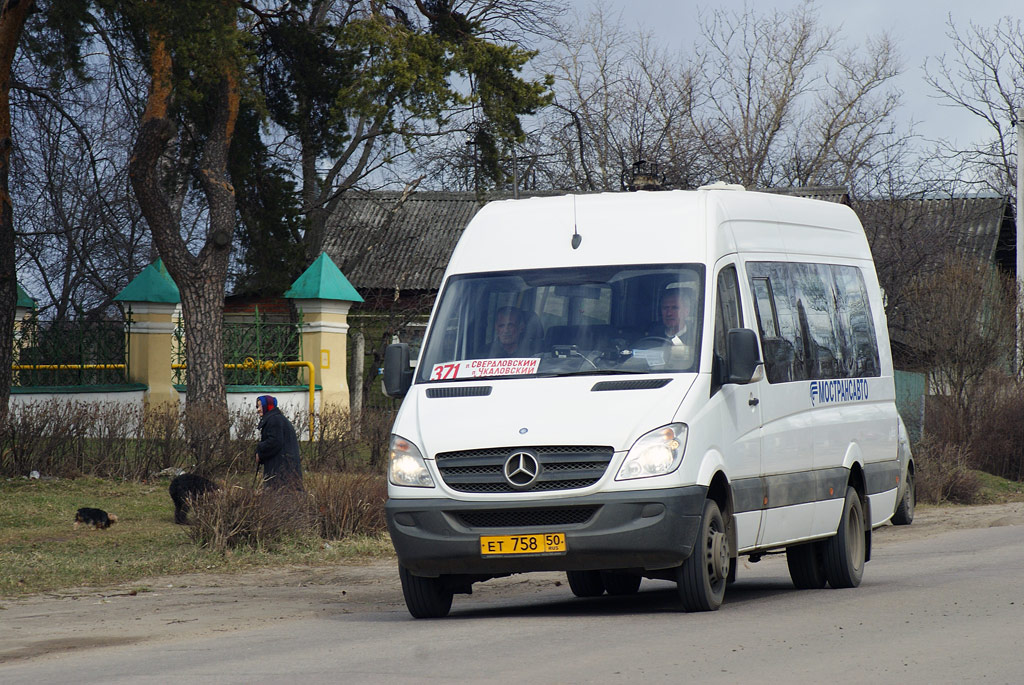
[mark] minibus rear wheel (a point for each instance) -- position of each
(806, 567)
(904, 515)
(425, 597)
(844, 552)
(702, 578)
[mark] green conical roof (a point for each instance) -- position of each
(24, 300)
(153, 284)
(323, 280)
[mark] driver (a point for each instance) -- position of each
(676, 325)
(508, 333)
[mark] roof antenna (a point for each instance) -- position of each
(576, 237)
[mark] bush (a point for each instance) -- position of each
(944, 475)
(336, 442)
(997, 437)
(343, 504)
(110, 440)
(334, 506)
(235, 516)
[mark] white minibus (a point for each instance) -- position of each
(649, 384)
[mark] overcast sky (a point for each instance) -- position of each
(918, 27)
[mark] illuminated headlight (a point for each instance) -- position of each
(655, 454)
(406, 466)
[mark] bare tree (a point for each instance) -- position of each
(619, 99)
(786, 104)
(984, 76)
(765, 99)
(961, 326)
(81, 235)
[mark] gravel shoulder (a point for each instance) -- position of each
(189, 606)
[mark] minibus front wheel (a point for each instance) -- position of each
(585, 583)
(702, 578)
(425, 597)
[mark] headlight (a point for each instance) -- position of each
(655, 454)
(406, 466)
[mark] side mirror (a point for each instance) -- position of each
(743, 356)
(397, 370)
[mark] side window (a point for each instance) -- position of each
(814, 320)
(816, 307)
(778, 350)
(854, 314)
(764, 303)
(727, 307)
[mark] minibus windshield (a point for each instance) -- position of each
(595, 320)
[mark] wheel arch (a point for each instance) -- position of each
(720, 492)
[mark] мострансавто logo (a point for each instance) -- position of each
(839, 390)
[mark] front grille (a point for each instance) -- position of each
(561, 468)
(523, 518)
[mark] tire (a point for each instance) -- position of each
(905, 511)
(620, 583)
(844, 553)
(585, 583)
(425, 597)
(805, 566)
(702, 578)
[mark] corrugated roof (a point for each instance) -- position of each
(827, 193)
(381, 242)
(981, 226)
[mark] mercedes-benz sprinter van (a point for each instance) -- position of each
(650, 384)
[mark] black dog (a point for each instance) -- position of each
(97, 518)
(185, 487)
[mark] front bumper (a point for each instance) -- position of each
(640, 529)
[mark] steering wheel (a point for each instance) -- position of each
(649, 341)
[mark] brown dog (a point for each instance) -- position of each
(97, 518)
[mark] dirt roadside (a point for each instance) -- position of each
(188, 606)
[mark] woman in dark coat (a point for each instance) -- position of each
(278, 448)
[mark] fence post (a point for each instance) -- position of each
(324, 296)
(324, 342)
(23, 310)
(152, 299)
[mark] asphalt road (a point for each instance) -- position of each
(945, 608)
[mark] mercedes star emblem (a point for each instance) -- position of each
(521, 470)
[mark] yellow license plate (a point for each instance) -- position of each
(544, 543)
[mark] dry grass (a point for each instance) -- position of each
(41, 551)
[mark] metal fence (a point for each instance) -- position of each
(42, 347)
(259, 340)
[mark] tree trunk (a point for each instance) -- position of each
(12, 20)
(200, 278)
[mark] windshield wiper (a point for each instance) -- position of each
(593, 372)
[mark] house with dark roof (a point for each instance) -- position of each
(386, 244)
(392, 247)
